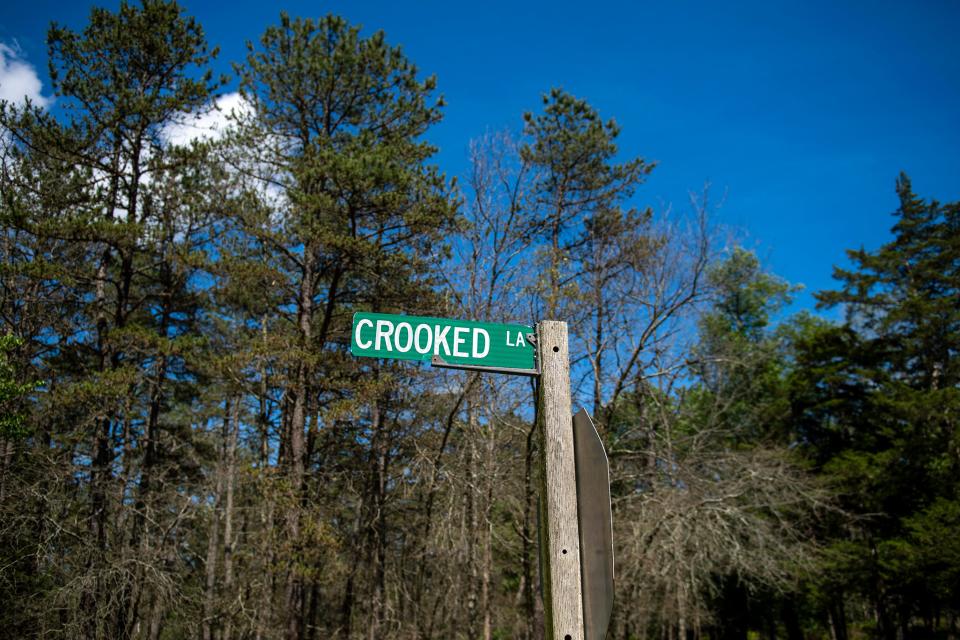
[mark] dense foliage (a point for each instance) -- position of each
(187, 448)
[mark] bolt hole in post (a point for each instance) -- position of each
(556, 349)
(568, 637)
(564, 552)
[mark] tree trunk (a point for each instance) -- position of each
(347, 604)
(228, 540)
(295, 452)
(6, 458)
(838, 619)
(213, 548)
(471, 517)
(265, 610)
(598, 358)
(490, 481)
(527, 550)
(379, 605)
(791, 621)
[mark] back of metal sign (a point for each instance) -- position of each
(596, 526)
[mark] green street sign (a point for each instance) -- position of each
(455, 344)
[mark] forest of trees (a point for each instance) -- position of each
(188, 449)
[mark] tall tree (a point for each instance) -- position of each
(572, 152)
(334, 139)
(876, 402)
(119, 83)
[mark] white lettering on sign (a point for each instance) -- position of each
(360, 342)
(403, 348)
(439, 335)
(384, 331)
(417, 343)
(519, 341)
(486, 343)
(459, 339)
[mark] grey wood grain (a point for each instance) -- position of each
(563, 603)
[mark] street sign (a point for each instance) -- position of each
(444, 342)
(596, 526)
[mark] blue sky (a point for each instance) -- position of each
(799, 114)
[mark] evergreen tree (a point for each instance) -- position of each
(572, 153)
(354, 218)
(876, 403)
(740, 357)
(97, 204)
(12, 395)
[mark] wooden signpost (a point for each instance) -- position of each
(576, 532)
(562, 594)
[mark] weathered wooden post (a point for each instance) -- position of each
(560, 557)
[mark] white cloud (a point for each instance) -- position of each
(209, 124)
(18, 78)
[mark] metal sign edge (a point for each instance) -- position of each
(438, 362)
(597, 596)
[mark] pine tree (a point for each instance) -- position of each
(876, 402)
(98, 197)
(354, 217)
(740, 358)
(572, 153)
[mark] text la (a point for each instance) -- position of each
(519, 341)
